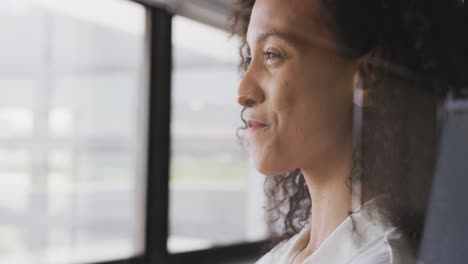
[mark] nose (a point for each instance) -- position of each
(250, 93)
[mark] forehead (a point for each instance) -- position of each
(298, 18)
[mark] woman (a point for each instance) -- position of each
(341, 100)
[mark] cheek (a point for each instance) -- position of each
(292, 104)
(269, 151)
(272, 153)
(306, 114)
(283, 99)
(302, 108)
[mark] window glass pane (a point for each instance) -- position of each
(215, 198)
(72, 144)
(19, 20)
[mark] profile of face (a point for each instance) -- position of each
(297, 89)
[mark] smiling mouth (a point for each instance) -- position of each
(254, 126)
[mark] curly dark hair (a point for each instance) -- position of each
(417, 51)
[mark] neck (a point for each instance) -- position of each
(331, 197)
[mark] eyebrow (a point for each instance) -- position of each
(268, 34)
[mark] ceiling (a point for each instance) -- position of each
(212, 12)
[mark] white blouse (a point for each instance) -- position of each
(373, 241)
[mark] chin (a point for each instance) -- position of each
(269, 167)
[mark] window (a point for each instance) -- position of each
(215, 197)
(72, 145)
(79, 175)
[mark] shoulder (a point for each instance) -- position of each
(391, 248)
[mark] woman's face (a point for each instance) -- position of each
(297, 89)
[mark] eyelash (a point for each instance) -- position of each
(267, 54)
(273, 54)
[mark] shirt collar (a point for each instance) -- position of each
(356, 232)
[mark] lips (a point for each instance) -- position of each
(255, 127)
(255, 124)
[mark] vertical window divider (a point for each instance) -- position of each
(157, 193)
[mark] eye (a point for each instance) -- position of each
(272, 56)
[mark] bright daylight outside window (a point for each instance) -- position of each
(72, 132)
(215, 197)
